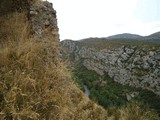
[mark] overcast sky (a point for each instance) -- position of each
(78, 19)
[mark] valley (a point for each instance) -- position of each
(117, 72)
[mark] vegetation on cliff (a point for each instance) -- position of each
(90, 56)
(34, 83)
(113, 95)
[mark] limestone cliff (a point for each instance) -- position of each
(137, 64)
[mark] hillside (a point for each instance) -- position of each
(138, 60)
(34, 82)
(157, 34)
(116, 72)
(155, 37)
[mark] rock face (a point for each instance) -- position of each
(43, 18)
(132, 65)
(40, 15)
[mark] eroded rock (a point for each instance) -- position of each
(139, 67)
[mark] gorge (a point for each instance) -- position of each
(117, 70)
(127, 63)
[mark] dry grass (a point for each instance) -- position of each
(134, 111)
(34, 83)
(30, 76)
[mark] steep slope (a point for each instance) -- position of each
(116, 72)
(34, 83)
(136, 64)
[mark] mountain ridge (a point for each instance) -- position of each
(124, 36)
(152, 38)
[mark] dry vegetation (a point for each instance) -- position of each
(34, 83)
(134, 111)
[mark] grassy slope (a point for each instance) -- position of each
(34, 83)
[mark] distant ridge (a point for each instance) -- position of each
(154, 38)
(125, 36)
(157, 34)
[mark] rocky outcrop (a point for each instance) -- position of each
(43, 18)
(132, 65)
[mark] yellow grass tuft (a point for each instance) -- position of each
(30, 76)
(134, 111)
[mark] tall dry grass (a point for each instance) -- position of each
(34, 83)
(136, 111)
(30, 76)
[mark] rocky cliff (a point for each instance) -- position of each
(134, 64)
